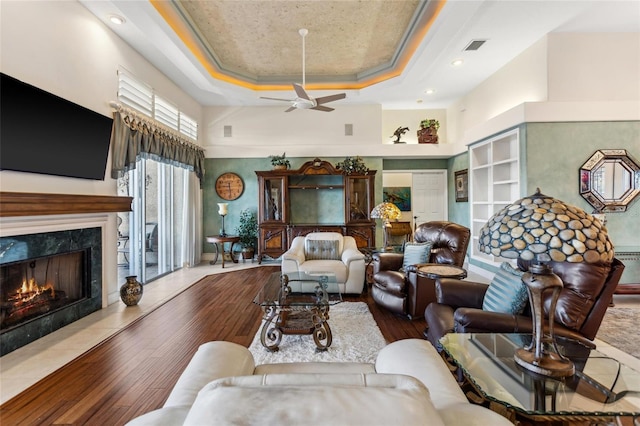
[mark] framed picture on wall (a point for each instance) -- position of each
(398, 195)
(462, 185)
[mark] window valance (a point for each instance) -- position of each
(133, 137)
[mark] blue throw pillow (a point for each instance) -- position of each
(415, 253)
(506, 293)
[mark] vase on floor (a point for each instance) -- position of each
(131, 291)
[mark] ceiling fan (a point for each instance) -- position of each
(303, 100)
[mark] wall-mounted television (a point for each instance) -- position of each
(43, 133)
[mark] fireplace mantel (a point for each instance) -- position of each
(36, 204)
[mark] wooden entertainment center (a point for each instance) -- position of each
(315, 197)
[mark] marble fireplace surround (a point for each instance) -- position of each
(47, 214)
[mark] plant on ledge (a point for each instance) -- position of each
(353, 166)
(430, 122)
(280, 161)
(247, 230)
(428, 131)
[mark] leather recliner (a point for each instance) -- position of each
(405, 292)
(586, 295)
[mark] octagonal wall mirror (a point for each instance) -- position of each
(610, 180)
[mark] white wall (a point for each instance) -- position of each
(524, 79)
(60, 47)
(563, 77)
(392, 119)
(594, 67)
(263, 131)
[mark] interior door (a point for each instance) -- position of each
(429, 194)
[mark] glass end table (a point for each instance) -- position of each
(602, 389)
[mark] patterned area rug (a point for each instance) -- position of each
(620, 329)
(356, 338)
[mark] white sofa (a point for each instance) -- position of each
(409, 384)
(327, 252)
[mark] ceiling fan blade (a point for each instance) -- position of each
(330, 98)
(300, 91)
(322, 108)
(277, 99)
(291, 108)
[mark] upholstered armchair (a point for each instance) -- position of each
(586, 295)
(397, 286)
(327, 252)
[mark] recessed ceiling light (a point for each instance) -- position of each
(117, 20)
(457, 62)
(430, 91)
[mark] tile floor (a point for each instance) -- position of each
(25, 366)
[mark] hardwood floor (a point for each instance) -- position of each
(133, 372)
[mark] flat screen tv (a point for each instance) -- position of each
(43, 133)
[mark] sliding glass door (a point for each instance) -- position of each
(152, 234)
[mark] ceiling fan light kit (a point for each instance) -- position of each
(303, 100)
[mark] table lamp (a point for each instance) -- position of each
(223, 210)
(542, 229)
(386, 211)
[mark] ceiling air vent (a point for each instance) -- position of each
(474, 45)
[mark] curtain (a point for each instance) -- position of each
(192, 223)
(133, 137)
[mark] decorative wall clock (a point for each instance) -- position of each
(229, 186)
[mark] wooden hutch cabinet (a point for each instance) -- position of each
(316, 197)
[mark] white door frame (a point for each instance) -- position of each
(443, 172)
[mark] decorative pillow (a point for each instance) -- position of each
(506, 293)
(415, 253)
(321, 250)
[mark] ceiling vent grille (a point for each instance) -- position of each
(474, 45)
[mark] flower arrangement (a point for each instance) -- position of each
(353, 166)
(430, 122)
(280, 160)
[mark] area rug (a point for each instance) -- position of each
(620, 329)
(356, 338)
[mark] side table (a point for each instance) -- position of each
(215, 239)
(439, 270)
(429, 273)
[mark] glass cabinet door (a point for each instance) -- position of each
(359, 199)
(273, 195)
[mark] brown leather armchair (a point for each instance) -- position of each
(404, 292)
(586, 295)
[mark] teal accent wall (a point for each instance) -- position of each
(306, 200)
(414, 164)
(458, 211)
(555, 153)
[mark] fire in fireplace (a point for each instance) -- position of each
(35, 287)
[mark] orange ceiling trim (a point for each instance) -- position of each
(175, 21)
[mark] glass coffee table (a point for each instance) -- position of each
(602, 389)
(297, 303)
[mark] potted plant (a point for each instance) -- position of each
(353, 165)
(247, 230)
(428, 131)
(280, 162)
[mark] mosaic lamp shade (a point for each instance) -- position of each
(543, 228)
(540, 228)
(387, 212)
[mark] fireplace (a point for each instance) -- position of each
(47, 280)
